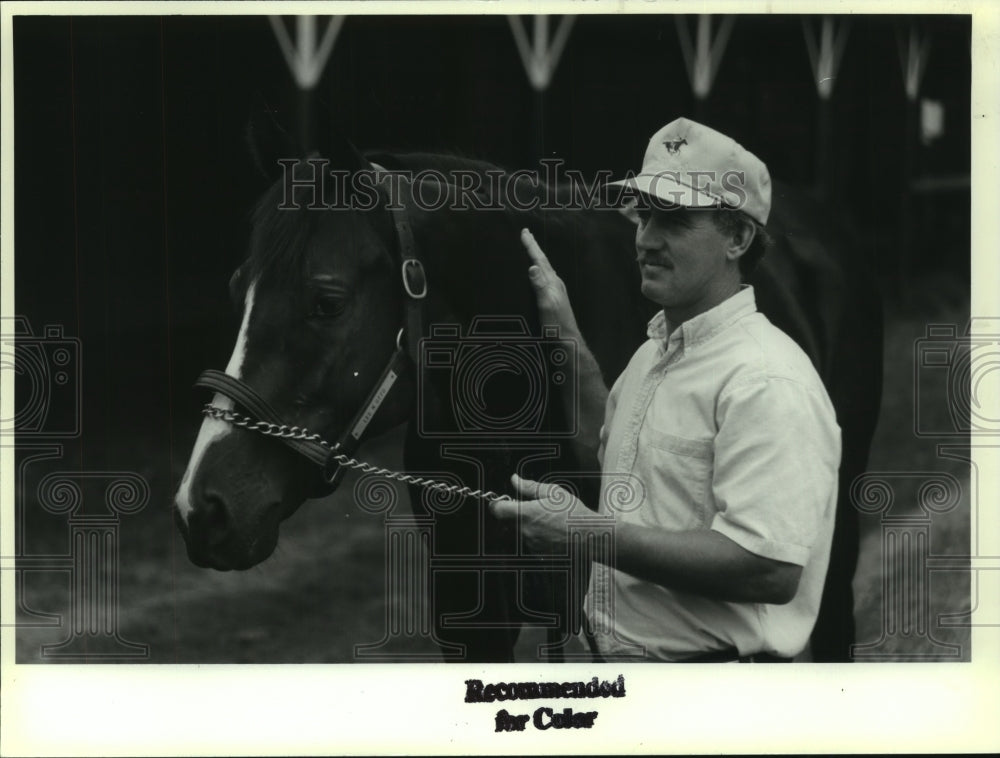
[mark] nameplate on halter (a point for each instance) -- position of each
(383, 390)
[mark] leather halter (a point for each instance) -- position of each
(415, 287)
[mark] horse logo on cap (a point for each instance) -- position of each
(674, 145)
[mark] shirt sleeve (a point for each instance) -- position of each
(777, 453)
(609, 413)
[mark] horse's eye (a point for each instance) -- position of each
(327, 306)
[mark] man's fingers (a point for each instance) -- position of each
(525, 487)
(504, 509)
(535, 252)
(531, 489)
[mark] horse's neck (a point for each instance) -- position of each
(475, 265)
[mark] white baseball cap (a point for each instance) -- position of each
(689, 164)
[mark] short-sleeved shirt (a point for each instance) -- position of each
(727, 426)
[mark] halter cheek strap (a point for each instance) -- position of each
(411, 268)
(350, 440)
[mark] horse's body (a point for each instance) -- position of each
(323, 302)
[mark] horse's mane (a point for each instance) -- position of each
(447, 163)
(279, 236)
(444, 162)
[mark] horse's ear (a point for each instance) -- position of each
(268, 141)
(331, 128)
(345, 156)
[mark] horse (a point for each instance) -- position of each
(341, 310)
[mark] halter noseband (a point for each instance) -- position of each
(331, 458)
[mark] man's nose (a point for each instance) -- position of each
(646, 240)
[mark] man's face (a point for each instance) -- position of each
(682, 258)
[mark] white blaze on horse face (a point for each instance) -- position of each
(212, 429)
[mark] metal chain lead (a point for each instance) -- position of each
(283, 431)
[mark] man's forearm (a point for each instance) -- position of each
(591, 398)
(703, 562)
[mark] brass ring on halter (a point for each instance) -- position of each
(399, 340)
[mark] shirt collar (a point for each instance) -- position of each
(705, 325)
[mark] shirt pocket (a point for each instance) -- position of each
(679, 475)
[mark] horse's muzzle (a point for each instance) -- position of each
(212, 541)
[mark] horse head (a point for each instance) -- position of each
(322, 306)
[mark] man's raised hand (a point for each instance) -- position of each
(554, 307)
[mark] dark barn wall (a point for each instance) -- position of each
(133, 182)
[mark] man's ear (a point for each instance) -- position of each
(268, 141)
(741, 239)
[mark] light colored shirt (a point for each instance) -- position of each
(728, 427)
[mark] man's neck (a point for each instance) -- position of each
(675, 317)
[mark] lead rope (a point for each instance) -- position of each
(283, 431)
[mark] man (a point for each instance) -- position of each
(719, 415)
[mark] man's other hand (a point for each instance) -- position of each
(543, 516)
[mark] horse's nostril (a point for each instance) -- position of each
(213, 518)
